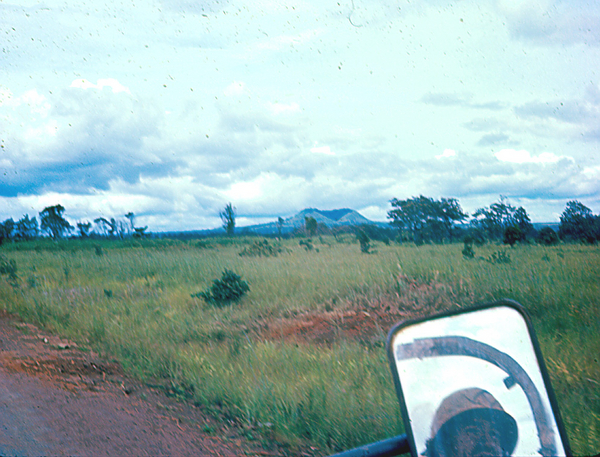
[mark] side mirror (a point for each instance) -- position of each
(474, 383)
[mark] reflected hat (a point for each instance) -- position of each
(474, 402)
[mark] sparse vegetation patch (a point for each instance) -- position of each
(261, 249)
(230, 288)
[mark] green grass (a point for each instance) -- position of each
(132, 299)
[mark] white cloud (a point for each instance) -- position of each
(322, 150)
(374, 213)
(244, 191)
(448, 153)
(523, 156)
(115, 85)
(265, 187)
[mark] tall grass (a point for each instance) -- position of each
(133, 300)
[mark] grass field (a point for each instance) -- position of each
(133, 300)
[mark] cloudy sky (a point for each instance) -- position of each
(171, 109)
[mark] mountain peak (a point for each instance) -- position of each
(332, 214)
(343, 216)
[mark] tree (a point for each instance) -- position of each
(131, 218)
(228, 218)
(426, 219)
(107, 227)
(495, 219)
(512, 234)
(364, 240)
(26, 228)
(521, 220)
(310, 225)
(520, 228)
(7, 229)
(578, 223)
(84, 229)
(140, 232)
(547, 236)
(280, 222)
(53, 222)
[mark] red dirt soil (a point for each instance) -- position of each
(365, 320)
(57, 400)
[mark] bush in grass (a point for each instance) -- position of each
(547, 236)
(230, 288)
(513, 234)
(9, 268)
(499, 257)
(307, 244)
(364, 240)
(468, 252)
(260, 249)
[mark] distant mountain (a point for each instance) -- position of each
(330, 218)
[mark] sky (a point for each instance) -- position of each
(171, 109)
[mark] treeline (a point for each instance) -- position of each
(418, 219)
(425, 220)
(52, 223)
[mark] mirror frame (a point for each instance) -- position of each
(496, 304)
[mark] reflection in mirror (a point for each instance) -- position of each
(471, 384)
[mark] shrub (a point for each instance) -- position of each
(547, 236)
(228, 289)
(307, 244)
(8, 267)
(468, 252)
(260, 249)
(363, 239)
(499, 257)
(513, 234)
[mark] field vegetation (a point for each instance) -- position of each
(141, 302)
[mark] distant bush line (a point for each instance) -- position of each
(420, 220)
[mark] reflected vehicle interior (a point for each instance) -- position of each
(474, 383)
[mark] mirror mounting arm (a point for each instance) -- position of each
(390, 447)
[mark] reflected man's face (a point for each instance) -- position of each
(477, 438)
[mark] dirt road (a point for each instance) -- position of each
(57, 400)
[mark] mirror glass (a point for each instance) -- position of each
(471, 382)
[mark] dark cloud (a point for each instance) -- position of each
(100, 137)
(493, 139)
(592, 135)
(484, 124)
(470, 176)
(565, 23)
(567, 111)
(95, 172)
